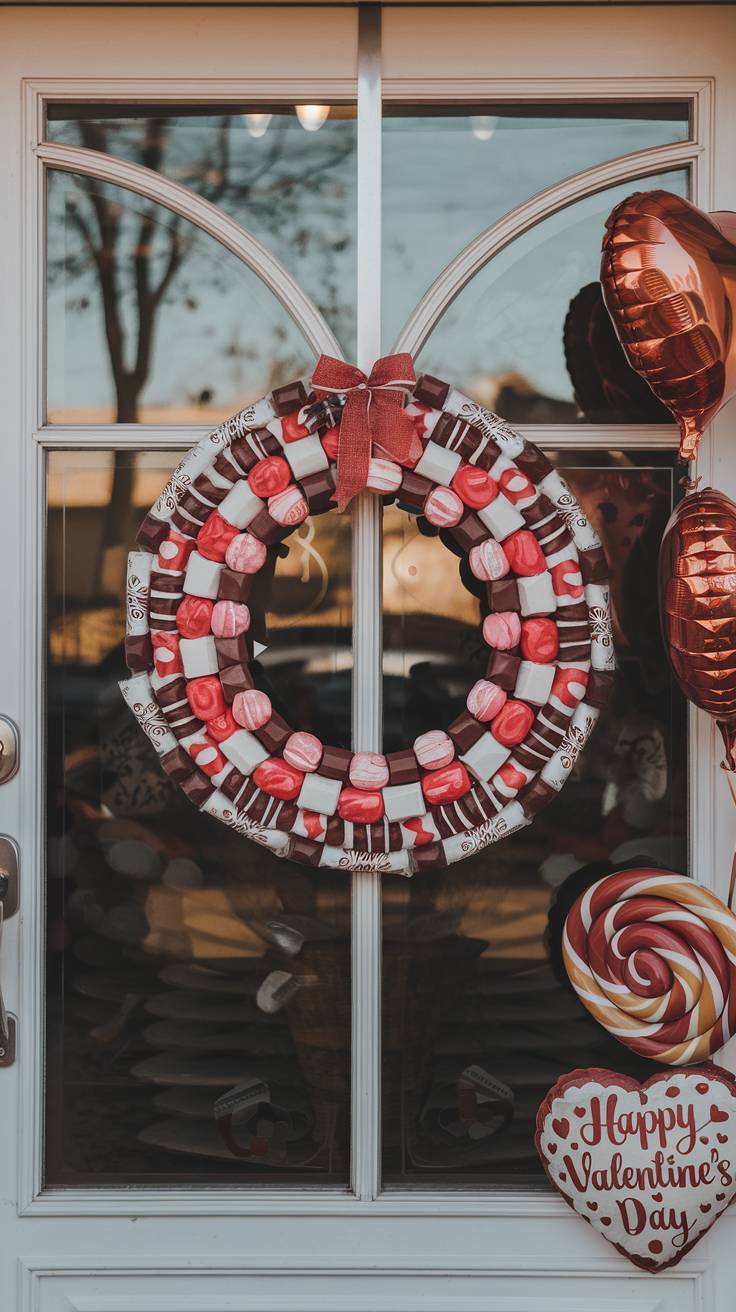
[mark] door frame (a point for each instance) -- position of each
(711, 829)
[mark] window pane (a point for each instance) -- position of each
(168, 935)
(292, 186)
(449, 171)
(471, 965)
(151, 320)
(507, 339)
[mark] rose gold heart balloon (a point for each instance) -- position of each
(668, 274)
(697, 606)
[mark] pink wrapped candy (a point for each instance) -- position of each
(288, 507)
(383, 475)
(303, 751)
(488, 560)
(485, 700)
(229, 619)
(502, 630)
(245, 554)
(434, 749)
(368, 770)
(252, 708)
(269, 476)
(443, 507)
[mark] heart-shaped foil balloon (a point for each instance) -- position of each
(697, 606)
(649, 1166)
(668, 274)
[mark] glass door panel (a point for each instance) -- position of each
(287, 173)
(529, 336)
(198, 989)
(478, 1018)
(449, 171)
(150, 320)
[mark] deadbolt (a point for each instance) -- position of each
(9, 749)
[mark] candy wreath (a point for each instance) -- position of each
(193, 687)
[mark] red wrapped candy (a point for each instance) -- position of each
(174, 551)
(269, 476)
(214, 536)
(205, 697)
(517, 486)
(193, 617)
(330, 442)
(539, 640)
(291, 429)
(166, 655)
(208, 756)
(513, 723)
(524, 553)
(567, 580)
(279, 779)
(361, 807)
(569, 686)
(446, 785)
(474, 486)
(222, 726)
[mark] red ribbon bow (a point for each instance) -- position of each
(374, 414)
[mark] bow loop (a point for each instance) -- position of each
(374, 415)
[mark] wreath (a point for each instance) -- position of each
(194, 684)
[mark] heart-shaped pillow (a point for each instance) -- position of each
(651, 1166)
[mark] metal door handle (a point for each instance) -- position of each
(9, 877)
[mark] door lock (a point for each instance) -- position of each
(9, 749)
(9, 877)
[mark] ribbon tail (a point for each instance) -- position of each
(354, 450)
(394, 431)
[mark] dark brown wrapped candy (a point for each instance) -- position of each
(431, 391)
(234, 586)
(138, 652)
(151, 533)
(273, 734)
(235, 679)
(292, 396)
(403, 767)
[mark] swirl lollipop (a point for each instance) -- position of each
(652, 955)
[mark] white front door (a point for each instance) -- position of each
(197, 202)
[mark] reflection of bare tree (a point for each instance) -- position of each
(135, 256)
